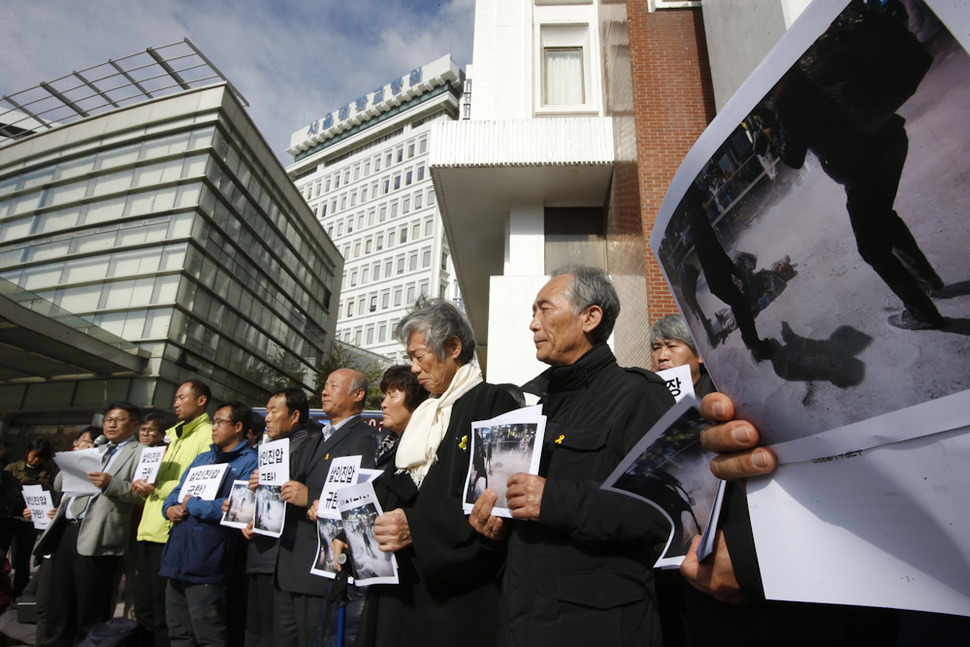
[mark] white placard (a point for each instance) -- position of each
(39, 503)
(274, 471)
(343, 472)
(203, 481)
(149, 463)
(678, 381)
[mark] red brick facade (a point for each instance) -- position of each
(673, 101)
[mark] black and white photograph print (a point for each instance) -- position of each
(816, 236)
(499, 448)
(327, 530)
(369, 564)
(242, 506)
(270, 511)
(671, 470)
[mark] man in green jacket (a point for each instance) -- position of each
(189, 438)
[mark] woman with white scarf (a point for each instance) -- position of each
(448, 591)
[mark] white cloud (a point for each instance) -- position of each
(292, 60)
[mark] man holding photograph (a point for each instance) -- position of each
(579, 566)
(199, 555)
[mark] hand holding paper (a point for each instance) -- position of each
(735, 442)
(484, 522)
(525, 495)
(392, 531)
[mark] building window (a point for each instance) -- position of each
(400, 264)
(380, 242)
(411, 293)
(420, 173)
(410, 150)
(382, 333)
(370, 335)
(417, 200)
(564, 76)
(413, 262)
(397, 297)
(394, 210)
(426, 258)
(408, 177)
(373, 303)
(353, 278)
(350, 308)
(397, 181)
(404, 235)
(428, 227)
(377, 271)
(406, 206)
(423, 146)
(364, 274)
(400, 154)
(385, 300)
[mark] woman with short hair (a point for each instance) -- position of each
(448, 590)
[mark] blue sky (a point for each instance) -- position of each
(292, 60)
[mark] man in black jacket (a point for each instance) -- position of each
(300, 595)
(579, 563)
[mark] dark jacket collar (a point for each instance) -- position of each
(572, 376)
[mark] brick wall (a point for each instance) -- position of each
(673, 101)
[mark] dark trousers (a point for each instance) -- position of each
(259, 610)
(20, 535)
(297, 618)
(196, 614)
(150, 594)
(883, 239)
(80, 591)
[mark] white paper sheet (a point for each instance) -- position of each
(882, 527)
(74, 466)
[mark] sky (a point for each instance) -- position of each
(293, 60)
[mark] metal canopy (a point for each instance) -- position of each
(119, 82)
(39, 341)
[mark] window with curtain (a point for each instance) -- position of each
(564, 76)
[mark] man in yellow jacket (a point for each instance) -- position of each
(189, 438)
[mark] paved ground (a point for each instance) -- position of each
(840, 361)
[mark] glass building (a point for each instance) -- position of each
(169, 224)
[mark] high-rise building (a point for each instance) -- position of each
(148, 236)
(363, 169)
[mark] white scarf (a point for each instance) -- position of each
(418, 449)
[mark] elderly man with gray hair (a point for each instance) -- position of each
(579, 562)
(671, 346)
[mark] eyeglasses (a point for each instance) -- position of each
(116, 421)
(219, 421)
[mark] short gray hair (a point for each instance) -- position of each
(359, 381)
(592, 287)
(438, 321)
(672, 327)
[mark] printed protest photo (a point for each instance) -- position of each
(670, 469)
(270, 510)
(327, 530)
(500, 447)
(242, 506)
(817, 244)
(369, 562)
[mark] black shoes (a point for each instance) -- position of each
(908, 321)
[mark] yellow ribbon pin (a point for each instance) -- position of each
(560, 439)
(463, 445)
(327, 457)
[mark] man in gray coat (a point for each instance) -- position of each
(89, 534)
